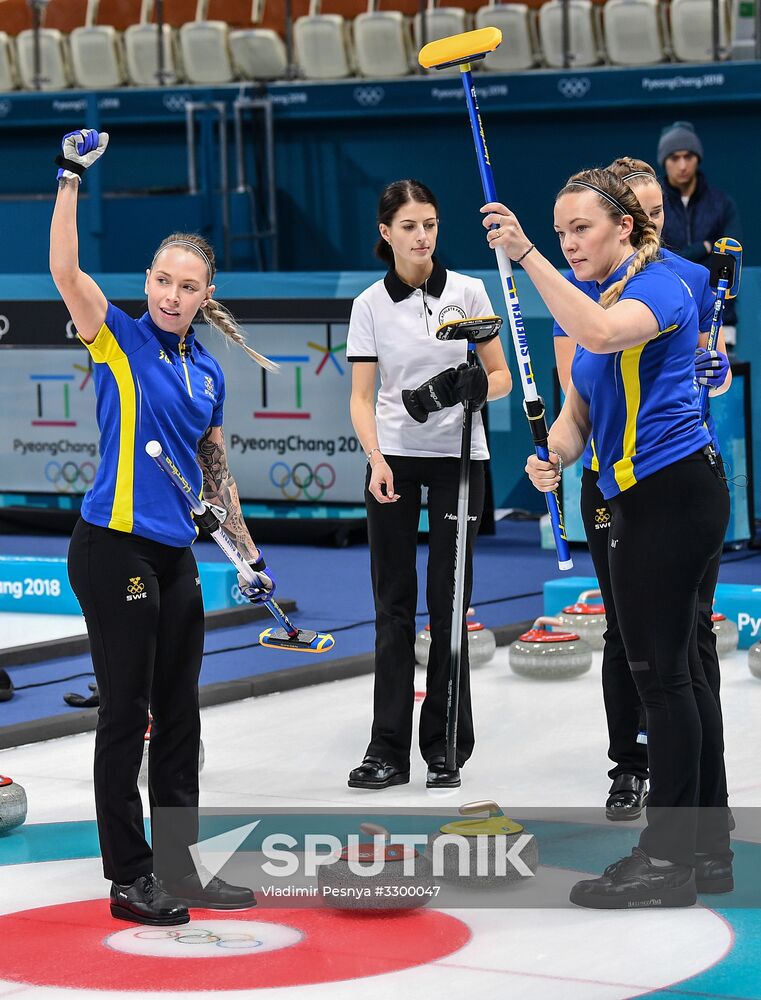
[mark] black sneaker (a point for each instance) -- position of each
(376, 773)
(146, 901)
(635, 883)
(713, 873)
(439, 776)
(214, 895)
(627, 798)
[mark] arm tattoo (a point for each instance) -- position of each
(219, 487)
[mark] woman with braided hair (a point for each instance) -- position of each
(622, 704)
(632, 390)
(130, 562)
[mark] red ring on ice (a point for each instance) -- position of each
(64, 946)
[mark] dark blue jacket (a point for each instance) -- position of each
(709, 214)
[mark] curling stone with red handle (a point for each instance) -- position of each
(544, 654)
(371, 875)
(727, 635)
(12, 804)
(586, 617)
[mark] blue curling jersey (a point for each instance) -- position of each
(643, 405)
(696, 277)
(149, 387)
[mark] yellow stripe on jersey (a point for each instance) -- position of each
(595, 459)
(105, 350)
(623, 469)
(668, 329)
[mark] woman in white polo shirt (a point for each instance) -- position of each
(393, 331)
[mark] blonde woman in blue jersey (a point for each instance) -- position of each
(130, 562)
(628, 752)
(632, 389)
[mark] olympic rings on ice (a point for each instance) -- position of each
(295, 483)
(67, 477)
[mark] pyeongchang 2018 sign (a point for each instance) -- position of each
(289, 435)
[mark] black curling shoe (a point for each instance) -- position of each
(145, 901)
(713, 873)
(439, 777)
(215, 895)
(627, 798)
(376, 773)
(636, 883)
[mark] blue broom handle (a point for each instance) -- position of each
(533, 403)
(721, 290)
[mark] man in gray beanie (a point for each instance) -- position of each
(696, 214)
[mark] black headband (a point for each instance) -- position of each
(639, 173)
(603, 194)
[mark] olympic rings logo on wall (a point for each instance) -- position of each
(302, 482)
(70, 477)
(201, 936)
(574, 86)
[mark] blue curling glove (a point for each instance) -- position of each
(264, 586)
(711, 367)
(79, 150)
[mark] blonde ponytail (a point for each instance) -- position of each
(649, 250)
(222, 320)
(216, 315)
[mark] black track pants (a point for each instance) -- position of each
(392, 531)
(623, 708)
(142, 604)
(664, 539)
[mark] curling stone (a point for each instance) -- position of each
(486, 852)
(142, 778)
(587, 618)
(387, 889)
(726, 634)
(546, 655)
(12, 804)
(754, 660)
(482, 643)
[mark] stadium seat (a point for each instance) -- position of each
(519, 42)
(584, 46)
(141, 42)
(383, 42)
(258, 53)
(323, 44)
(97, 51)
(206, 52)
(692, 29)
(633, 32)
(8, 68)
(439, 23)
(55, 66)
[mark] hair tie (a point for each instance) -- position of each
(603, 194)
(185, 243)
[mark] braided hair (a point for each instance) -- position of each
(216, 315)
(618, 199)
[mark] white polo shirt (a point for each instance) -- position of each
(395, 326)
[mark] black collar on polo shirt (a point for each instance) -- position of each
(170, 341)
(399, 290)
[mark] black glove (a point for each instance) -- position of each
(430, 397)
(473, 385)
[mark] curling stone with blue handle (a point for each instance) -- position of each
(543, 654)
